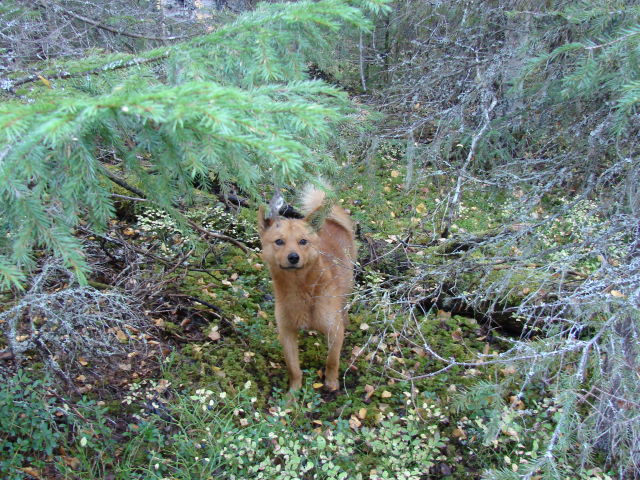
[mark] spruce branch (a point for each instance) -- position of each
(9, 84)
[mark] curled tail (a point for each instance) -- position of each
(315, 199)
(312, 198)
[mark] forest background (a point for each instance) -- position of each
(488, 151)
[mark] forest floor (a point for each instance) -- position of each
(202, 394)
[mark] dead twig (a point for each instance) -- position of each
(221, 236)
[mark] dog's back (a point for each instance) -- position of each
(337, 235)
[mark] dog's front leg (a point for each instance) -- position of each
(332, 326)
(289, 339)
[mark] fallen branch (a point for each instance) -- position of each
(127, 245)
(219, 236)
(121, 183)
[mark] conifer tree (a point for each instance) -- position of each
(234, 105)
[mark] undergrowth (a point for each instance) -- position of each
(217, 408)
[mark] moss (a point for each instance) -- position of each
(383, 346)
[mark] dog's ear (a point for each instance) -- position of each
(316, 218)
(263, 223)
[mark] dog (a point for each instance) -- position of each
(311, 264)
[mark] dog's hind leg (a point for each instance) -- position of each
(289, 339)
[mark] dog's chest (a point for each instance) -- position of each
(296, 309)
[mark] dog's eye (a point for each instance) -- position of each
(279, 242)
(303, 241)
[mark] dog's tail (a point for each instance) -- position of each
(314, 198)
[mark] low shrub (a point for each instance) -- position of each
(28, 429)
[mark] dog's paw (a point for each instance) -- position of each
(331, 385)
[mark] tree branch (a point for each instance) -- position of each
(220, 236)
(455, 202)
(9, 85)
(118, 181)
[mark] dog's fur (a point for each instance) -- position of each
(311, 264)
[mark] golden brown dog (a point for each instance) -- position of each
(311, 264)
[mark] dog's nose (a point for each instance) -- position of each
(293, 258)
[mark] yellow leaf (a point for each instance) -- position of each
(364, 326)
(247, 356)
(354, 422)
(159, 322)
(72, 462)
(162, 386)
(362, 413)
(386, 394)
(318, 385)
(395, 173)
(617, 294)
(210, 294)
(421, 208)
(419, 351)
(516, 402)
(122, 337)
(31, 472)
(83, 361)
(369, 390)
(44, 81)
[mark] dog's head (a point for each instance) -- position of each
(289, 243)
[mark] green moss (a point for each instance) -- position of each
(384, 346)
